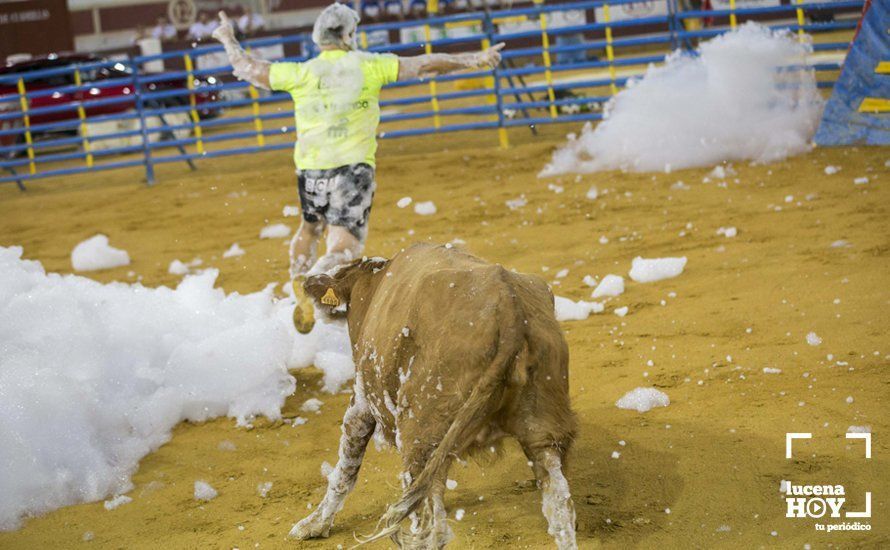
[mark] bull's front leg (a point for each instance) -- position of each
(358, 427)
(557, 500)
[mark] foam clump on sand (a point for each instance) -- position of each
(94, 376)
(311, 405)
(204, 491)
(426, 208)
(568, 310)
(611, 285)
(116, 502)
(177, 268)
(275, 231)
(643, 399)
(736, 100)
(95, 253)
(645, 270)
(233, 251)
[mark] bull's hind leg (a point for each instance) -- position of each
(429, 528)
(557, 500)
(358, 426)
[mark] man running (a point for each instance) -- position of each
(336, 97)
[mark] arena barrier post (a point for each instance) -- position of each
(257, 121)
(545, 56)
(26, 120)
(143, 125)
(193, 111)
(610, 51)
(82, 115)
(733, 20)
(673, 23)
(801, 21)
(432, 5)
(494, 81)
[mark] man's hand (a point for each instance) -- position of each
(225, 32)
(490, 57)
(244, 66)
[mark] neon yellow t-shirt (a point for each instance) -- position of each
(336, 103)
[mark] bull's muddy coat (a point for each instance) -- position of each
(452, 353)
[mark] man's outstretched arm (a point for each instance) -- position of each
(244, 66)
(434, 64)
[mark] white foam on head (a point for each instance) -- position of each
(95, 253)
(731, 102)
(643, 399)
(334, 25)
(94, 376)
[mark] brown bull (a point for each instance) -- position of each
(452, 354)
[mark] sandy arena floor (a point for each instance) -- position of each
(714, 458)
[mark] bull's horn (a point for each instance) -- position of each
(330, 298)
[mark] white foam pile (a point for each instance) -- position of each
(94, 376)
(643, 399)
(611, 285)
(735, 100)
(95, 253)
(567, 310)
(728, 232)
(644, 270)
(204, 491)
(426, 208)
(233, 251)
(275, 231)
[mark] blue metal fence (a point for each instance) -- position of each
(161, 113)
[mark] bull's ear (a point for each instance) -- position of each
(317, 285)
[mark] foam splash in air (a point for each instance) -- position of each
(94, 376)
(736, 100)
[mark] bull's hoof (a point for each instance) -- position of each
(310, 527)
(304, 311)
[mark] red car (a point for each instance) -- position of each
(114, 71)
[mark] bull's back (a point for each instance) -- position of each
(432, 329)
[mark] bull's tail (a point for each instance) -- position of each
(510, 342)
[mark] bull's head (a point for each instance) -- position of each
(334, 292)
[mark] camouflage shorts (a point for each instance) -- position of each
(340, 196)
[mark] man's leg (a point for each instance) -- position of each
(341, 247)
(311, 185)
(349, 208)
(304, 247)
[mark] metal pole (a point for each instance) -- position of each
(143, 124)
(488, 24)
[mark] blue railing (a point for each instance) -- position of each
(176, 116)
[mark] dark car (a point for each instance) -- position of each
(63, 95)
